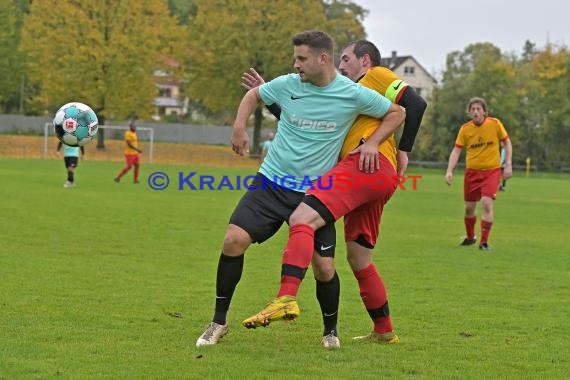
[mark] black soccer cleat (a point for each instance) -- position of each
(484, 247)
(466, 242)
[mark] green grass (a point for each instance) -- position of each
(110, 281)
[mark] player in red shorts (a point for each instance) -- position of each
(354, 191)
(132, 152)
(481, 138)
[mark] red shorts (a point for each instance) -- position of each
(481, 183)
(132, 159)
(358, 196)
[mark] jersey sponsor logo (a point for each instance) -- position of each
(300, 122)
(480, 144)
(323, 248)
(293, 97)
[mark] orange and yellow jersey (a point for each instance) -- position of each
(131, 136)
(387, 83)
(482, 143)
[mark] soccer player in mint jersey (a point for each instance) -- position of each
(481, 138)
(71, 160)
(318, 106)
(362, 208)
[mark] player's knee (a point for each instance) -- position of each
(470, 208)
(236, 241)
(358, 262)
(324, 273)
(304, 214)
(487, 206)
(323, 268)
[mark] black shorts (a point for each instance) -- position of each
(262, 210)
(70, 162)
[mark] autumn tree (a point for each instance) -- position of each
(229, 36)
(479, 70)
(545, 110)
(100, 52)
(182, 9)
(344, 21)
(11, 70)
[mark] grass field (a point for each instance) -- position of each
(116, 281)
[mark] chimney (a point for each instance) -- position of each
(393, 58)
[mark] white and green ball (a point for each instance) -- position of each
(75, 124)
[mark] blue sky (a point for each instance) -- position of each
(429, 30)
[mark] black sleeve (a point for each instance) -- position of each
(275, 110)
(415, 107)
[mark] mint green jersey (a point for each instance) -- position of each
(313, 124)
(70, 151)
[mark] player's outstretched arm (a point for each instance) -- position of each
(415, 107)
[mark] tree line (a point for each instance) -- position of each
(528, 92)
(104, 52)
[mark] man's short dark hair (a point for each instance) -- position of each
(361, 47)
(316, 40)
(477, 100)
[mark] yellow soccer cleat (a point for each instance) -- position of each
(284, 307)
(388, 338)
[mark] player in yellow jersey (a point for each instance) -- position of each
(132, 152)
(482, 138)
(362, 208)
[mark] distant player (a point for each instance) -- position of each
(481, 138)
(71, 160)
(265, 146)
(132, 152)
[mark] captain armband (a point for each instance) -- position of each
(395, 89)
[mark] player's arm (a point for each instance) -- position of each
(240, 139)
(452, 163)
(59, 146)
(130, 144)
(508, 171)
(82, 150)
(415, 107)
(369, 150)
(253, 79)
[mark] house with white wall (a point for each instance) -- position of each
(411, 71)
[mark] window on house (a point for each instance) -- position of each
(418, 90)
(409, 70)
(165, 92)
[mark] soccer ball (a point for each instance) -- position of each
(75, 124)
